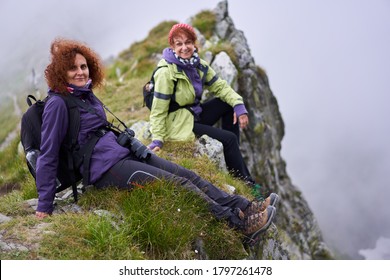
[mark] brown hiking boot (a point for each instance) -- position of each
(260, 206)
(257, 223)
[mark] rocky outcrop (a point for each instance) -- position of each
(295, 234)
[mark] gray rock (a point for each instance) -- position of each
(225, 68)
(4, 218)
(213, 149)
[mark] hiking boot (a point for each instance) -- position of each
(272, 199)
(258, 222)
(260, 206)
(240, 214)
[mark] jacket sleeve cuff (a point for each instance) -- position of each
(240, 110)
(155, 143)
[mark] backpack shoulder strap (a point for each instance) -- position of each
(70, 143)
(85, 152)
(155, 70)
(74, 120)
(204, 69)
(174, 82)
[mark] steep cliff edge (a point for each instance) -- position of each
(296, 235)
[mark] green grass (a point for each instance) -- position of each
(138, 58)
(157, 221)
(12, 165)
(205, 23)
(8, 119)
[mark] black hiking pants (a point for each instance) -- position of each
(130, 172)
(213, 111)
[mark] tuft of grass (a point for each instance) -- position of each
(182, 153)
(125, 101)
(142, 52)
(165, 219)
(205, 22)
(87, 236)
(157, 221)
(8, 118)
(12, 165)
(228, 48)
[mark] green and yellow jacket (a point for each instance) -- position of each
(178, 125)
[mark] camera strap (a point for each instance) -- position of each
(85, 152)
(91, 110)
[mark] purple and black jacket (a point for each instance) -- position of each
(55, 122)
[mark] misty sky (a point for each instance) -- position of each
(327, 63)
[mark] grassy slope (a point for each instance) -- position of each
(157, 221)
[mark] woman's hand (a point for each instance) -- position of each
(243, 120)
(155, 146)
(156, 149)
(41, 215)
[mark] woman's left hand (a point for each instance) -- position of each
(156, 149)
(243, 120)
(41, 215)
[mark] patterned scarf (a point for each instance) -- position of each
(193, 60)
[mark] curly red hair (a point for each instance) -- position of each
(63, 53)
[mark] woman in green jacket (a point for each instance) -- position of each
(181, 77)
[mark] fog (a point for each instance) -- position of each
(327, 63)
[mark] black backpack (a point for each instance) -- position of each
(148, 93)
(67, 173)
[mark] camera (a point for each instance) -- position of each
(127, 139)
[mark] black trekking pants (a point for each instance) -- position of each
(213, 111)
(130, 172)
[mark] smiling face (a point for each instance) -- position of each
(183, 46)
(78, 74)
